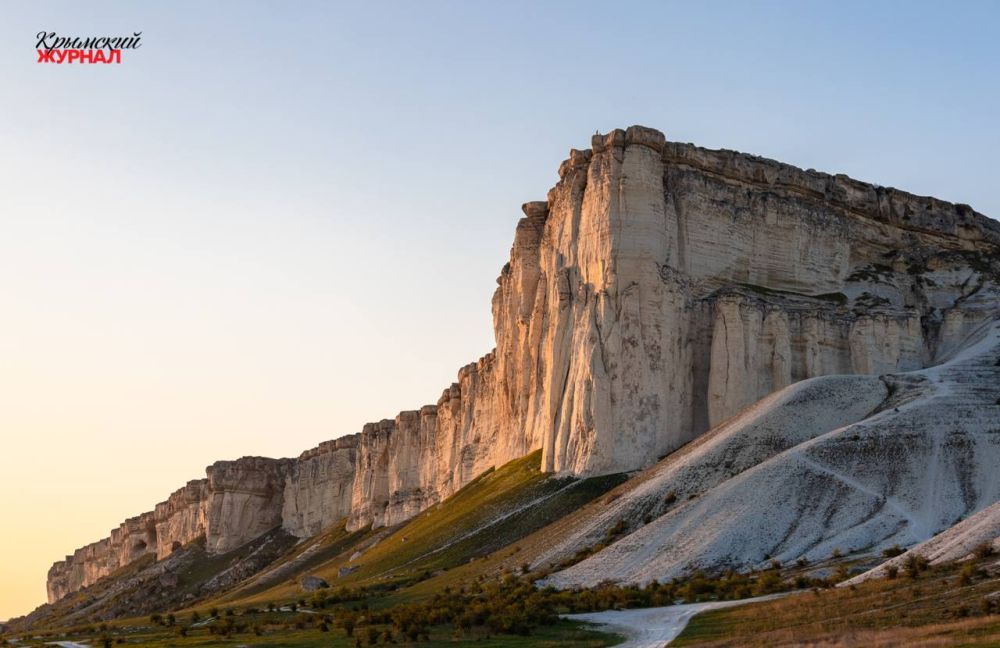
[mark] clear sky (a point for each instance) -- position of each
(276, 221)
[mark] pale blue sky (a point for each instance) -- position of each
(276, 221)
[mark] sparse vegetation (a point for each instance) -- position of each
(893, 551)
(934, 610)
(425, 590)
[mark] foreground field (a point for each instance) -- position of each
(956, 605)
(563, 634)
(462, 573)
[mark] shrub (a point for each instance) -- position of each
(891, 571)
(967, 574)
(618, 529)
(985, 550)
(893, 551)
(914, 565)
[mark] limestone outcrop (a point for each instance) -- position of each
(238, 502)
(246, 499)
(181, 519)
(831, 464)
(319, 487)
(657, 291)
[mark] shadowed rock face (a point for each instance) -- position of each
(658, 290)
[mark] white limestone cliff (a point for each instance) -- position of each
(319, 487)
(659, 290)
(825, 465)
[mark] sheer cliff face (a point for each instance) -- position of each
(237, 502)
(657, 291)
(182, 518)
(318, 489)
(663, 287)
(245, 500)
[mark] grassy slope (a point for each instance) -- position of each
(453, 542)
(929, 610)
(300, 559)
(495, 510)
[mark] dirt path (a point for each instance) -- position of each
(655, 627)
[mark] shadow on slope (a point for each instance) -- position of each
(495, 510)
(146, 585)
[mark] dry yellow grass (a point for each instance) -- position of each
(932, 610)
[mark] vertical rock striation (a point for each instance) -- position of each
(658, 290)
(318, 489)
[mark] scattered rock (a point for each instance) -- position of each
(313, 583)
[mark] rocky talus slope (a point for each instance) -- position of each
(658, 291)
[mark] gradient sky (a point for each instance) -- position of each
(277, 221)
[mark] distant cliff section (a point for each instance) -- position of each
(658, 290)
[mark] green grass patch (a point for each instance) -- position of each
(835, 298)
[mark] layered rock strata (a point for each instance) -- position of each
(658, 290)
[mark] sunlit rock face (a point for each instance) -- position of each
(181, 519)
(663, 287)
(318, 489)
(657, 291)
(130, 541)
(245, 500)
